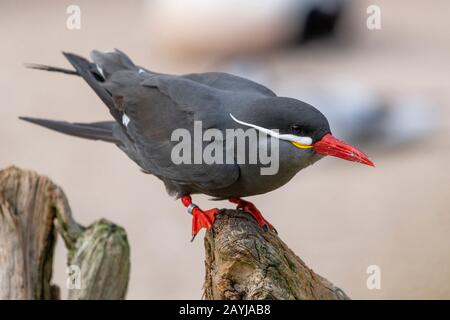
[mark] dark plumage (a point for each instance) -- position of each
(147, 107)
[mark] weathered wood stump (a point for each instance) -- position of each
(242, 260)
(245, 262)
(32, 211)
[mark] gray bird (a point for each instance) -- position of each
(148, 107)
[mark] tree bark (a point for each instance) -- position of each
(32, 210)
(245, 262)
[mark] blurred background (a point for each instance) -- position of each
(386, 90)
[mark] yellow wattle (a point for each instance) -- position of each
(301, 146)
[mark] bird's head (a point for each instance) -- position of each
(302, 125)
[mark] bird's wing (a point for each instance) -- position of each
(154, 106)
(229, 82)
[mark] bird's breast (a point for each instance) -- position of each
(261, 178)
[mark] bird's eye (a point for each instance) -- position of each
(296, 129)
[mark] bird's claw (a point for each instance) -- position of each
(268, 228)
(251, 209)
(200, 219)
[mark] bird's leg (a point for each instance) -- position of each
(200, 219)
(251, 209)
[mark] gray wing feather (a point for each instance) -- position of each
(156, 107)
(229, 82)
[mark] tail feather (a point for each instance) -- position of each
(90, 73)
(94, 131)
(94, 78)
(50, 68)
(93, 74)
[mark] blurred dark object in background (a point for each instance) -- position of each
(226, 27)
(318, 19)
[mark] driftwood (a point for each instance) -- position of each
(243, 261)
(32, 211)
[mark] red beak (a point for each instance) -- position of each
(330, 146)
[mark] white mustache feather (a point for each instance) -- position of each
(288, 137)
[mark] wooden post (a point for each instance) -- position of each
(32, 211)
(245, 262)
(242, 260)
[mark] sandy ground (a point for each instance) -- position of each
(339, 217)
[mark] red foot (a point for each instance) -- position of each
(251, 209)
(200, 219)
